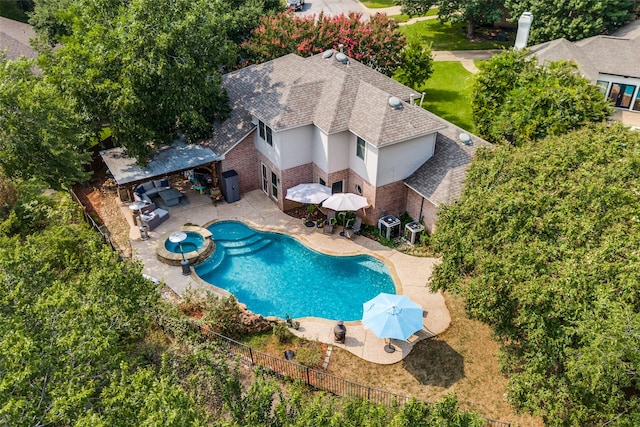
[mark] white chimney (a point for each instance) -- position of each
(524, 25)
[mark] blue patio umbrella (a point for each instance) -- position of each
(392, 316)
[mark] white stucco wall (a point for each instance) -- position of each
(338, 151)
(396, 162)
(296, 147)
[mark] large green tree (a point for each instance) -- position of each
(70, 311)
(543, 247)
(42, 136)
(417, 65)
(50, 19)
(376, 42)
(473, 12)
(573, 19)
(515, 100)
(149, 70)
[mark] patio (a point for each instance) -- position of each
(411, 274)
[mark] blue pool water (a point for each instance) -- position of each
(275, 275)
(193, 242)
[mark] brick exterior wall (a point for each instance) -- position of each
(391, 198)
(291, 177)
(416, 203)
(244, 160)
(394, 198)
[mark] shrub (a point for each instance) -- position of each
(222, 314)
(282, 333)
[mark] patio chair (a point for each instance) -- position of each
(352, 230)
(357, 225)
(329, 223)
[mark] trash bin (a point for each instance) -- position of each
(288, 354)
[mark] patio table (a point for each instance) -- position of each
(170, 197)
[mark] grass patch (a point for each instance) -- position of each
(404, 18)
(447, 36)
(377, 4)
(10, 9)
(308, 353)
(448, 93)
(462, 360)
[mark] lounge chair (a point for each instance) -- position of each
(354, 229)
(329, 223)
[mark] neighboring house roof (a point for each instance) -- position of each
(14, 37)
(613, 54)
(441, 178)
(292, 91)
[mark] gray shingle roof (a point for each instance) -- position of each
(600, 54)
(14, 37)
(292, 91)
(441, 178)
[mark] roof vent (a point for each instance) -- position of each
(465, 138)
(341, 57)
(395, 102)
(327, 53)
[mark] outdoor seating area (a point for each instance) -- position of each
(147, 191)
(152, 216)
(144, 191)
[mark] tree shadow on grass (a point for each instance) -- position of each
(434, 362)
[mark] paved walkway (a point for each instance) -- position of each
(411, 274)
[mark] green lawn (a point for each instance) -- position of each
(405, 18)
(377, 4)
(446, 36)
(448, 93)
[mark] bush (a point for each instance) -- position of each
(222, 314)
(282, 333)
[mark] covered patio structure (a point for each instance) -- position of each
(169, 160)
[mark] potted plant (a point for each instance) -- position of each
(291, 323)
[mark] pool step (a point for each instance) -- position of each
(211, 264)
(253, 246)
(241, 247)
(233, 240)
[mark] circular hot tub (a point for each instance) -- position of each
(196, 247)
(194, 242)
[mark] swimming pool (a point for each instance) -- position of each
(275, 275)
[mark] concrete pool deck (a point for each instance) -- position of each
(255, 209)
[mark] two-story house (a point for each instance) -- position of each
(332, 120)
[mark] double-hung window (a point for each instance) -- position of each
(360, 148)
(265, 133)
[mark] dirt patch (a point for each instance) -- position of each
(101, 201)
(462, 360)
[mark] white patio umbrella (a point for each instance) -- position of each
(308, 193)
(345, 202)
(392, 316)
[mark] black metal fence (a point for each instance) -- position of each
(99, 228)
(319, 380)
